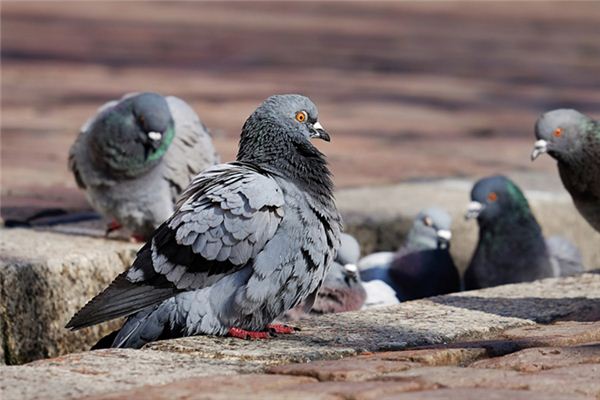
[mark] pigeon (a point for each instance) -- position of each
(511, 247)
(573, 140)
(135, 157)
(342, 289)
(423, 266)
(249, 240)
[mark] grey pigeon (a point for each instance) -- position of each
(249, 240)
(511, 247)
(342, 289)
(423, 267)
(135, 157)
(573, 139)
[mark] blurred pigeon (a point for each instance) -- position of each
(511, 246)
(573, 139)
(423, 266)
(379, 294)
(248, 241)
(342, 289)
(136, 155)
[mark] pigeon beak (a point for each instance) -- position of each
(540, 147)
(155, 136)
(473, 210)
(351, 268)
(444, 234)
(318, 132)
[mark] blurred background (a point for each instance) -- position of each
(409, 90)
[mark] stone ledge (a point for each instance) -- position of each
(461, 330)
(46, 277)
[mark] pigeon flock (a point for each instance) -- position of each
(241, 248)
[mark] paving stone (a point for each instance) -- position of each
(432, 357)
(44, 279)
(101, 371)
(561, 333)
(349, 369)
(260, 387)
(254, 386)
(579, 379)
(541, 358)
(487, 394)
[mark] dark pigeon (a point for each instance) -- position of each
(511, 247)
(573, 140)
(423, 266)
(249, 240)
(136, 156)
(342, 289)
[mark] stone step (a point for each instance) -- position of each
(453, 332)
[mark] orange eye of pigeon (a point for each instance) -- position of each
(558, 132)
(492, 196)
(301, 116)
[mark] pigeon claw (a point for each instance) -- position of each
(248, 335)
(281, 328)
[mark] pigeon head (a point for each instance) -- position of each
(495, 198)
(133, 135)
(349, 251)
(431, 229)
(277, 136)
(286, 120)
(559, 133)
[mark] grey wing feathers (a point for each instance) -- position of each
(565, 255)
(191, 151)
(226, 217)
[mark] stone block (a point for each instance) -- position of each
(44, 279)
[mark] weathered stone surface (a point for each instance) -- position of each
(464, 316)
(488, 394)
(542, 358)
(580, 379)
(262, 387)
(44, 279)
(81, 374)
(349, 369)
(433, 357)
(499, 314)
(561, 333)
(381, 216)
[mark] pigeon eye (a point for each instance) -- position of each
(427, 221)
(301, 116)
(557, 132)
(492, 196)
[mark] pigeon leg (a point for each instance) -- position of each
(112, 226)
(281, 328)
(248, 335)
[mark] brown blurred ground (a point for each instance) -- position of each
(408, 90)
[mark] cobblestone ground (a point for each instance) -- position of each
(558, 361)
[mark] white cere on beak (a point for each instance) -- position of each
(317, 125)
(444, 234)
(539, 147)
(156, 136)
(473, 209)
(351, 268)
